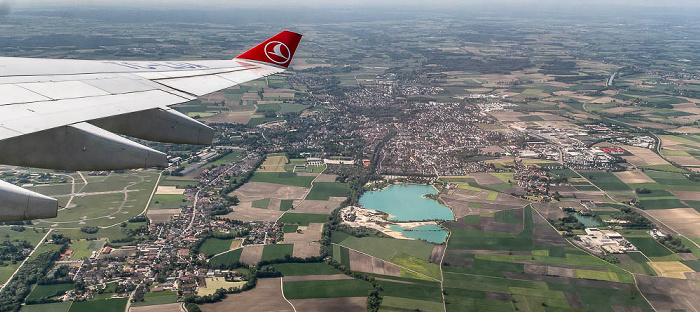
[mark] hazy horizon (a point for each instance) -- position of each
(360, 3)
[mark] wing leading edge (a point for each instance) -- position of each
(60, 114)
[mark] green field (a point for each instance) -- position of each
(640, 264)
(107, 305)
(284, 178)
(661, 203)
(298, 269)
(172, 201)
(108, 209)
(226, 259)
(286, 204)
(41, 291)
(384, 248)
(648, 245)
(303, 218)
(290, 228)
(326, 289)
(475, 239)
(506, 216)
(49, 307)
(341, 255)
(179, 183)
(155, 298)
(212, 246)
(234, 156)
(673, 181)
(261, 203)
(390, 303)
(325, 190)
(84, 249)
(417, 266)
(273, 252)
(605, 180)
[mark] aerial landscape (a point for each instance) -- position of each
(464, 157)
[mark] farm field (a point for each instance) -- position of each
(325, 190)
(303, 269)
(106, 305)
(488, 269)
(156, 298)
(266, 296)
(284, 178)
(384, 248)
(47, 307)
(41, 291)
(303, 218)
(272, 252)
(228, 258)
(326, 289)
(212, 246)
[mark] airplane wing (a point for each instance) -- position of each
(63, 114)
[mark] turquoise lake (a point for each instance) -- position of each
(431, 233)
(405, 202)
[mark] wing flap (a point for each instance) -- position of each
(14, 94)
(120, 85)
(63, 89)
(199, 85)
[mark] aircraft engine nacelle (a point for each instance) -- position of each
(18, 204)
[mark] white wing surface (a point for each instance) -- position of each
(63, 114)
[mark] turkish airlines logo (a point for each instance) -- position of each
(277, 52)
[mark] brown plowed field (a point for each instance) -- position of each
(347, 304)
(265, 297)
(364, 263)
(252, 254)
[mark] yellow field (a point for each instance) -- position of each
(274, 164)
(673, 269)
(596, 275)
(236, 243)
(214, 283)
(169, 190)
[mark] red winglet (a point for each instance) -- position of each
(277, 50)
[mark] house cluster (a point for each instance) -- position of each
(439, 139)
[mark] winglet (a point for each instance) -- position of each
(277, 50)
